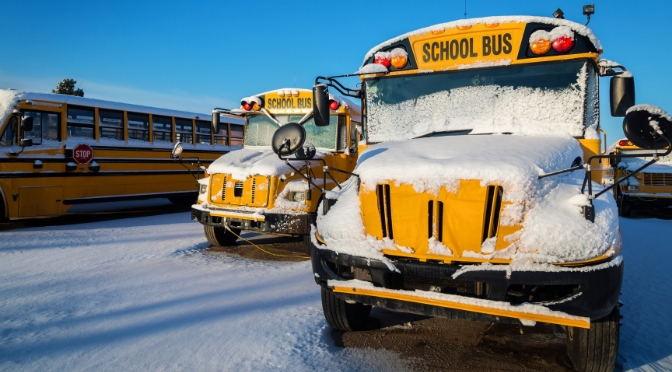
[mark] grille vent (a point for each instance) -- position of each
(385, 210)
(493, 207)
(224, 189)
(254, 188)
(657, 179)
(435, 220)
(238, 189)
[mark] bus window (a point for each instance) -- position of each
(8, 136)
(36, 133)
(237, 134)
(203, 132)
(324, 137)
(260, 130)
(111, 124)
(222, 134)
(138, 126)
(162, 128)
(45, 126)
(183, 130)
(80, 122)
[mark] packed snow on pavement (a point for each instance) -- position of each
(144, 294)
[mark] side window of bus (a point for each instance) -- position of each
(80, 122)
(9, 135)
(45, 126)
(237, 134)
(203, 132)
(222, 134)
(355, 135)
(111, 124)
(183, 129)
(138, 126)
(162, 127)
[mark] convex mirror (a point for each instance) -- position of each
(177, 151)
(642, 124)
(288, 139)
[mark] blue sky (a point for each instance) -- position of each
(203, 54)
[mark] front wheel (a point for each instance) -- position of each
(220, 235)
(342, 315)
(595, 349)
(307, 245)
(624, 207)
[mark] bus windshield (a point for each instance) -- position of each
(260, 130)
(535, 98)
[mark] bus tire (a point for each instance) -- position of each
(307, 245)
(595, 349)
(342, 315)
(220, 236)
(624, 207)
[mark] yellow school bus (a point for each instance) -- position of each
(474, 193)
(254, 190)
(59, 150)
(651, 187)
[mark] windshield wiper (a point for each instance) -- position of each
(441, 133)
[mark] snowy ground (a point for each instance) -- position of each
(142, 294)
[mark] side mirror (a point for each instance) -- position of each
(622, 93)
(177, 151)
(646, 126)
(288, 138)
(215, 120)
(27, 124)
(321, 105)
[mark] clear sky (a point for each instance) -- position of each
(196, 55)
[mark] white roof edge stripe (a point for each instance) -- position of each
(82, 101)
(576, 27)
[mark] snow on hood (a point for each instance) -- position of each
(549, 209)
(513, 161)
(241, 164)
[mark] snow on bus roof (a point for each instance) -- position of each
(9, 98)
(576, 27)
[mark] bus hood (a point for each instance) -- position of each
(241, 164)
(550, 227)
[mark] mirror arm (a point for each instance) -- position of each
(332, 82)
(656, 156)
(560, 172)
(306, 117)
(263, 110)
(198, 164)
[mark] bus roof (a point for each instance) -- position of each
(464, 28)
(10, 98)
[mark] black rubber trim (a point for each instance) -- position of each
(599, 289)
(101, 199)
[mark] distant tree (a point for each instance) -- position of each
(67, 86)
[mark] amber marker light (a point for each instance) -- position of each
(438, 32)
(399, 61)
(541, 46)
(256, 106)
(492, 25)
(465, 27)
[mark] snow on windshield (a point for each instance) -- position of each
(539, 99)
(260, 130)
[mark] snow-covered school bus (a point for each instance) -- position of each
(477, 194)
(651, 187)
(253, 189)
(58, 150)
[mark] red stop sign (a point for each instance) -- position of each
(82, 153)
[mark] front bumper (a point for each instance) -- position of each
(588, 294)
(273, 223)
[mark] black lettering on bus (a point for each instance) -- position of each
(435, 57)
(471, 48)
(464, 48)
(497, 46)
(309, 102)
(487, 48)
(507, 43)
(445, 45)
(425, 52)
(454, 49)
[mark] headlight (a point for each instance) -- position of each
(203, 189)
(297, 196)
(633, 187)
